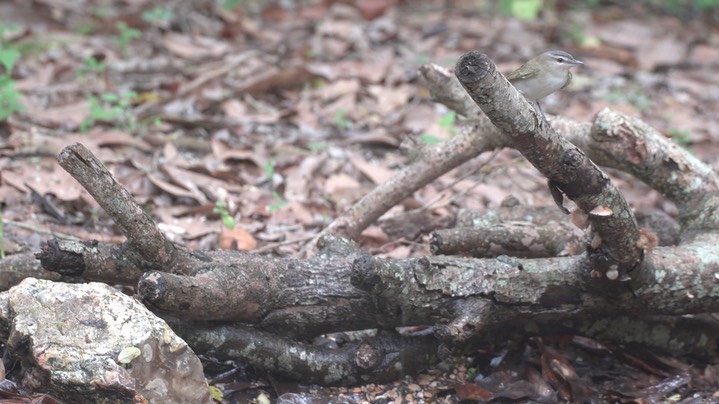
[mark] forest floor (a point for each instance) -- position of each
(280, 118)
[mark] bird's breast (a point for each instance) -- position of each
(536, 88)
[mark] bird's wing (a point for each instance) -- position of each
(521, 74)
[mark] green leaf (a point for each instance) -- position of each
(125, 99)
(8, 57)
(447, 120)
(220, 206)
(216, 393)
(221, 209)
(228, 221)
(125, 35)
(99, 112)
(158, 15)
(523, 9)
(680, 136)
(7, 28)
(277, 204)
(269, 168)
(85, 28)
(430, 139)
(340, 121)
(317, 146)
(9, 97)
(95, 65)
(704, 5)
(109, 97)
(231, 4)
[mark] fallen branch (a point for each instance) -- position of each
(464, 300)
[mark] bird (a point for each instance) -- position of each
(543, 75)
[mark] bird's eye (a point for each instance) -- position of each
(560, 60)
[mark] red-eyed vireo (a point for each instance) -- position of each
(543, 75)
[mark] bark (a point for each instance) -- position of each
(262, 310)
(91, 260)
(519, 239)
(14, 268)
(386, 356)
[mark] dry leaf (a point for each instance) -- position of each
(236, 239)
(339, 185)
(195, 47)
(378, 174)
(376, 234)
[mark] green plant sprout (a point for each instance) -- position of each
(679, 7)
(216, 393)
(229, 5)
(114, 108)
(447, 121)
(277, 204)
(269, 168)
(221, 209)
(85, 28)
(527, 10)
(9, 96)
(318, 146)
(680, 136)
(6, 28)
(429, 139)
(91, 65)
(339, 119)
(158, 16)
(125, 36)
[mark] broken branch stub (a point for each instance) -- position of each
(149, 248)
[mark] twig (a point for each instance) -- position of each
(41, 230)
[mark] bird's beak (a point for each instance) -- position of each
(577, 62)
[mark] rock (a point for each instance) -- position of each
(90, 343)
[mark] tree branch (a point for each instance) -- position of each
(153, 250)
(563, 164)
